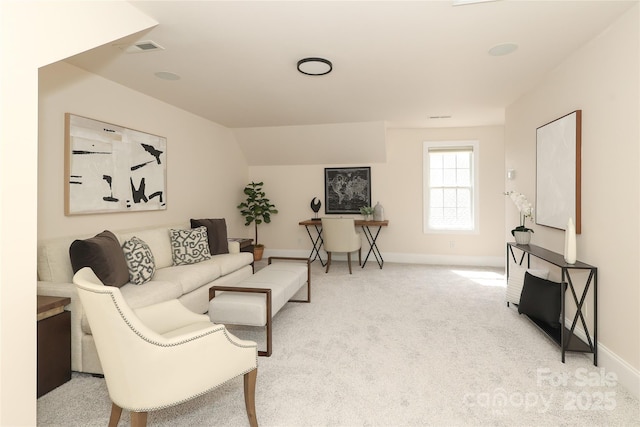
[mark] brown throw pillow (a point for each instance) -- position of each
(104, 255)
(217, 232)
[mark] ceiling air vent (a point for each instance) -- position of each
(139, 47)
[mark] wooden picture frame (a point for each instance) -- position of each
(346, 190)
(110, 168)
(558, 172)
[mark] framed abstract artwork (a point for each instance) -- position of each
(346, 190)
(558, 172)
(109, 168)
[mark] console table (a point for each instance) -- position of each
(371, 236)
(562, 336)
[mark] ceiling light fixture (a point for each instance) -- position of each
(315, 66)
(503, 49)
(166, 75)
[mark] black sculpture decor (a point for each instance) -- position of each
(315, 206)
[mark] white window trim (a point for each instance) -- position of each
(426, 145)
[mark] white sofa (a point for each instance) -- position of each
(188, 283)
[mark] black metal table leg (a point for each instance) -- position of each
(373, 248)
(317, 243)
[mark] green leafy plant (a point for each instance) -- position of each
(366, 210)
(256, 208)
(525, 208)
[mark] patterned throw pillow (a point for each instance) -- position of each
(139, 259)
(189, 246)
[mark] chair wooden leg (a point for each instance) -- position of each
(116, 412)
(360, 256)
(349, 261)
(138, 419)
(328, 262)
(250, 396)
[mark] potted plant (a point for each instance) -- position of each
(256, 209)
(366, 212)
(521, 233)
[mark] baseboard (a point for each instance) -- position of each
(462, 260)
(404, 258)
(628, 376)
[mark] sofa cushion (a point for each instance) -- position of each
(157, 238)
(139, 260)
(190, 277)
(540, 300)
(216, 232)
(231, 262)
(54, 263)
(103, 254)
(189, 246)
(151, 292)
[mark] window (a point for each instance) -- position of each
(450, 186)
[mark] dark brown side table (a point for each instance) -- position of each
(54, 343)
(246, 245)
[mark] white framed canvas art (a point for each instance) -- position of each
(558, 172)
(110, 168)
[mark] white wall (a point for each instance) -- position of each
(397, 185)
(30, 40)
(313, 144)
(206, 170)
(601, 79)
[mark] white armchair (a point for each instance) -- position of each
(161, 355)
(339, 235)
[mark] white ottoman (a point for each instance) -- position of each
(255, 300)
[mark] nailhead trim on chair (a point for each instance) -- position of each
(209, 390)
(220, 328)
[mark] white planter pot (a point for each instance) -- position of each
(522, 237)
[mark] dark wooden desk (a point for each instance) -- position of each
(371, 236)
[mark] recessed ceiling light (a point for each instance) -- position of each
(503, 49)
(167, 75)
(315, 66)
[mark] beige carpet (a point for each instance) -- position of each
(408, 345)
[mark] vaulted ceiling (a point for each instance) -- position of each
(405, 63)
